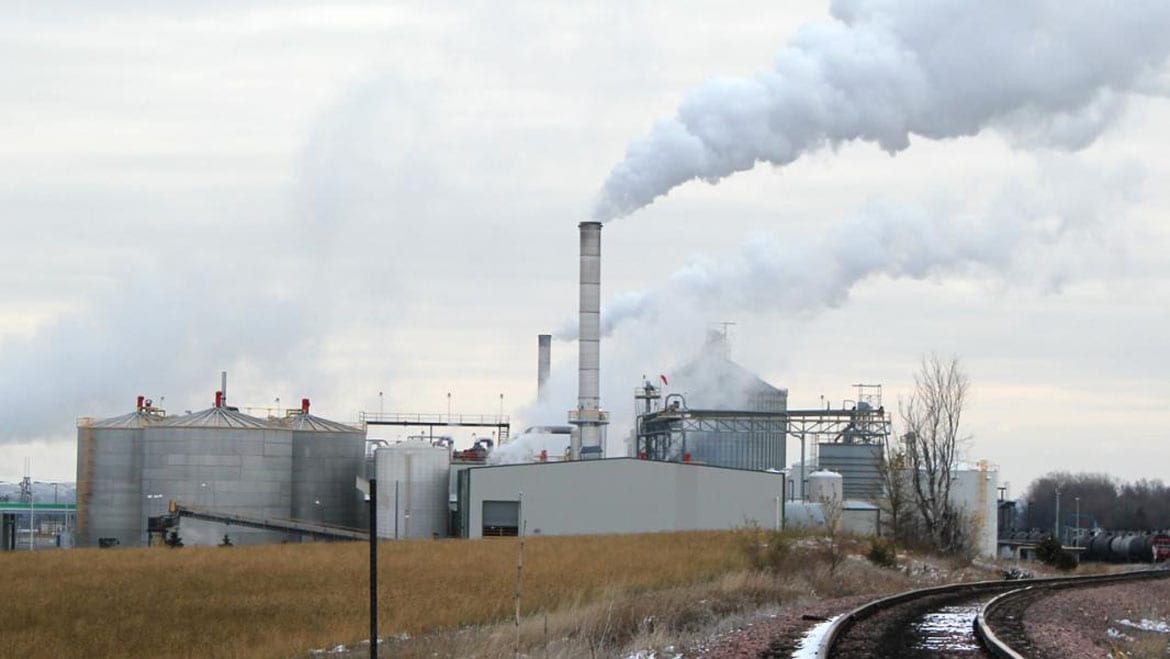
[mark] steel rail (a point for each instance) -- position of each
(999, 647)
(841, 626)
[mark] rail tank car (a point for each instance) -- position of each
(1125, 547)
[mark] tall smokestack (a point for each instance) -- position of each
(223, 386)
(589, 417)
(543, 360)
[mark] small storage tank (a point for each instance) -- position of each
(326, 456)
(111, 505)
(826, 486)
(412, 490)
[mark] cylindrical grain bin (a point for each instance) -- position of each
(111, 504)
(326, 456)
(412, 490)
(224, 461)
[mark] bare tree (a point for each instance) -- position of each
(895, 500)
(834, 509)
(931, 417)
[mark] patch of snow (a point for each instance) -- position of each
(807, 647)
(1157, 626)
(950, 628)
(1117, 636)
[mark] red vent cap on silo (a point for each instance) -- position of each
(219, 399)
(304, 406)
(141, 401)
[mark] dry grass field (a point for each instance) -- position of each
(284, 600)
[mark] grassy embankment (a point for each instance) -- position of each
(591, 594)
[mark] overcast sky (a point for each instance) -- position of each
(336, 201)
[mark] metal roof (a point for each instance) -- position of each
(136, 419)
(217, 417)
(712, 381)
(311, 423)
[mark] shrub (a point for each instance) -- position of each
(1050, 552)
(882, 553)
(766, 550)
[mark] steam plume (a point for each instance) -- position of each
(1045, 72)
(1035, 230)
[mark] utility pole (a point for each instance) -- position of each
(370, 489)
(373, 568)
(1056, 522)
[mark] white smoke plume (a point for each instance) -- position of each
(1043, 72)
(1040, 231)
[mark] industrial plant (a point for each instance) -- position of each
(707, 450)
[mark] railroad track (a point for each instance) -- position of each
(956, 620)
(1000, 624)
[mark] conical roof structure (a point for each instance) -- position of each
(217, 417)
(135, 419)
(713, 382)
(313, 423)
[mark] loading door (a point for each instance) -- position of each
(501, 518)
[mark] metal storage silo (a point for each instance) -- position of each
(326, 457)
(412, 490)
(111, 504)
(713, 381)
(860, 465)
(225, 461)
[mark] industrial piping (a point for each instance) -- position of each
(588, 416)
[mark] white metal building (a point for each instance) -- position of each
(617, 495)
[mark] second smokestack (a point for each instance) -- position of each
(543, 362)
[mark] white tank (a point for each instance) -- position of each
(825, 486)
(412, 490)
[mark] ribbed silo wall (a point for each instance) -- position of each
(111, 501)
(738, 450)
(859, 464)
(768, 400)
(324, 466)
(246, 471)
(412, 490)
(758, 450)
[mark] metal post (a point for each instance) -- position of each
(373, 568)
(396, 510)
(1078, 499)
(802, 458)
(1056, 522)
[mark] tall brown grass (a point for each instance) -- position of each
(282, 600)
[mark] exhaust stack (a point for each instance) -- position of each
(588, 416)
(543, 361)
